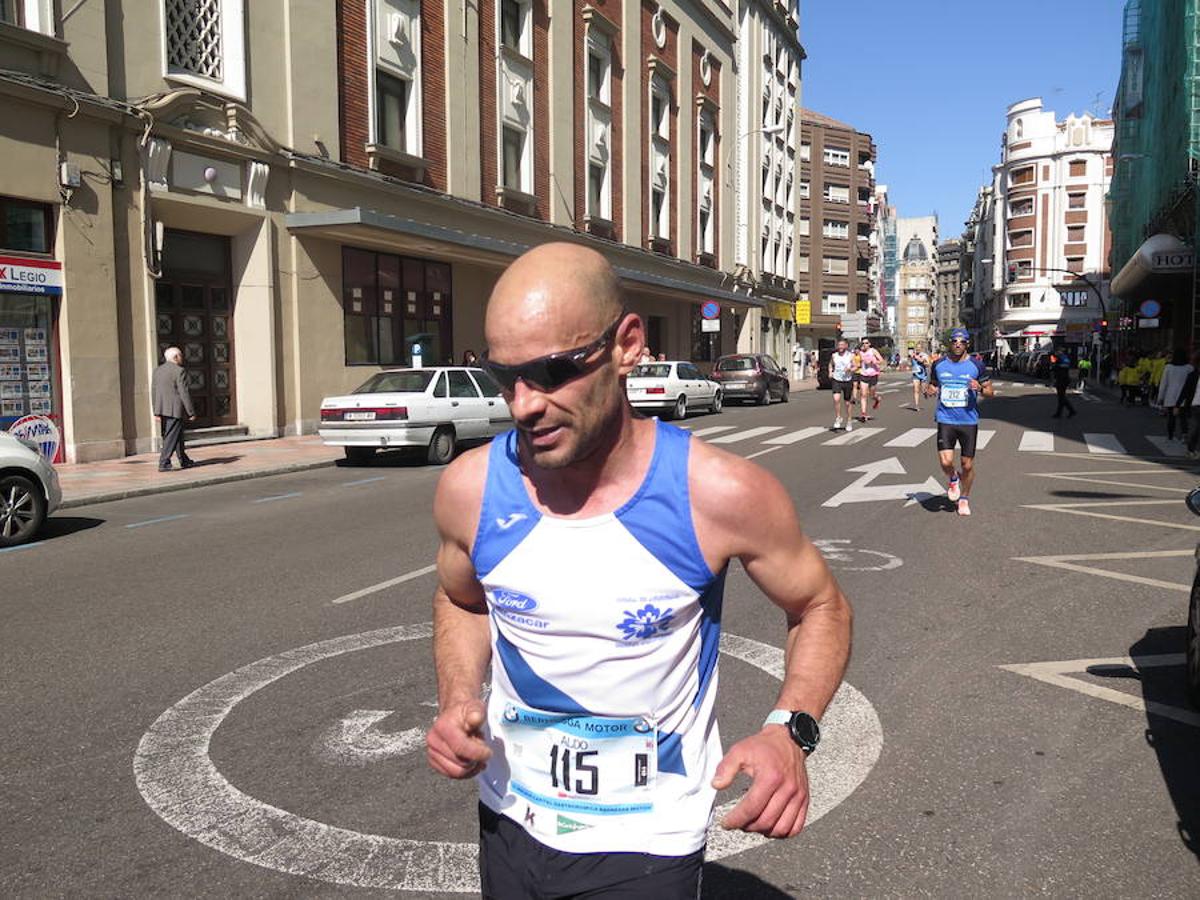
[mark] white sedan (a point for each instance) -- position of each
(29, 490)
(672, 388)
(435, 408)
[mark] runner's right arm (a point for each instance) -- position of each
(461, 635)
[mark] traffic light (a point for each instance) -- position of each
(1012, 273)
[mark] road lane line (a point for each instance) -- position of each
(384, 585)
(1103, 443)
(715, 429)
(1096, 515)
(763, 452)
(1174, 449)
(1087, 479)
(912, 438)
(278, 497)
(365, 481)
(794, 436)
(156, 521)
(853, 437)
(746, 435)
(1037, 441)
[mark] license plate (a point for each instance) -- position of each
(359, 416)
(735, 384)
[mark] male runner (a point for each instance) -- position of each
(957, 380)
(841, 382)
(870, 362)
(583, 555)
(916, 365)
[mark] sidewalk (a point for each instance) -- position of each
(137, 476)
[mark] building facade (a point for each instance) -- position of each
(978, 265)
(1049, 229)
(947, 297)
(298, 194)
(838, 235)
(887, 260)
(917, 288)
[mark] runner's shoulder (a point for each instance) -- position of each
(459, 494)
(730, 492)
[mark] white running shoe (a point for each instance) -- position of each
(964, 508)
(837, 424)
(954, 490)
(849, 425)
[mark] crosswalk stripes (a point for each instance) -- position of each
(912, 437)
(715, 429)
(985, 438)
(1103, 443)
(1038, 441)
(853, 437)
(793, 437)
(1167, 447)
(745, 435)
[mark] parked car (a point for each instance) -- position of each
(29, 490)
(1192, 644)
(751, 376)
(436, 408)
(673, 388)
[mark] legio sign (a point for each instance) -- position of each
(30, 276)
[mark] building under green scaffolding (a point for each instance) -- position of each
(1153, 203)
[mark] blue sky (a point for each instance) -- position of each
(930, 80)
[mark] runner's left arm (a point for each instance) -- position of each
(767, 538)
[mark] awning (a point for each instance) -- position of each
(1161, 261)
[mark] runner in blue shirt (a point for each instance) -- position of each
(958, 380)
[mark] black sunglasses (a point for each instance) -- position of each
(547, 373)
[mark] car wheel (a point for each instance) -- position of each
(786, 392)
(679, 411)
(716, 402)
(1193, 644)
(359, 456)
(22, 510)
(442, 446)
(764, 399)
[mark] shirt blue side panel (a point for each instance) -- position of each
(659, 516)
(532, 687)
(506, 515)
(710, 634)
(670, 753)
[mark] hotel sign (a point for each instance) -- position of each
(1172, 260)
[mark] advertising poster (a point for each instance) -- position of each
(12, 407)
(10, 372)
(39, 389)
(10, 353)
(36, 372)
(40, 407)
(12, 390)
(36, 352)
(10, 336)
(35, 335)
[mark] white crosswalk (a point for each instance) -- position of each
(746, 435)
(1038, 441)
(1174, 449)
(985, 438)
(912, 438)
(1103, 443)
(796, 436)
(857, 436)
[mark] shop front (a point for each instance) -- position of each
(30, 385)
(1155, 293)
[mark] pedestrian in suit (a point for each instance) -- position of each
(172, 403)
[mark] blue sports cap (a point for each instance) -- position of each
(960, 334)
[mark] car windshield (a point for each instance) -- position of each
(413, 382)
(737, 364)
(651, 370)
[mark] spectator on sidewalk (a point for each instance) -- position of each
(1085, 368)
(1170, 388)
(1187, 396)
(1128, 379)
(172, 403)
(1157, 366)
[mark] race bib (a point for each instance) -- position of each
(954, 397)
(579, 768)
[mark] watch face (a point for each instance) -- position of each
(804, 730)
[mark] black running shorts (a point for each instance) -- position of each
(964, 435)
(512, 865)
(869, 379)
(846, 388)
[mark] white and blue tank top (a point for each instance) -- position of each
(605, 634)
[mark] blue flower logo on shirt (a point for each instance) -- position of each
(645, 623)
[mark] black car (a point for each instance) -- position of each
(751, 376)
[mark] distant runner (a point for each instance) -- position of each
(869, 364)
(920, 374)
(957, 380)
(841, 380)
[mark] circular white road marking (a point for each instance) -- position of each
(179, 781)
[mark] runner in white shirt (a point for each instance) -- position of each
(841, 377)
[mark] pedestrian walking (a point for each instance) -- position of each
(172, 404)
(1187, 396)
(841, 381)
(1060, 373)
(1170, 390)
(582, 558)
(1085, 368)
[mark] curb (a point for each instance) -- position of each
(146, 491)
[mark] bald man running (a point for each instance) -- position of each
(583, 556)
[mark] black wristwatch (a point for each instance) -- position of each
(802, 727)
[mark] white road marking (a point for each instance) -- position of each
(763, 452)
(384, 585)
(834, 550)
(1037, 441)
(1086, 479)
(793, 437)
(1073, 510)
(746, 435)
(1071, 564)
(1103, 443)
(180, 783)
(985, 438)
(156, 521)
(861, 490)
(365, 481)
(715, 429)
(853, 437)
(356, 741)
(1173, 449)
(1056, 673)
(279, 497)
(912, 438)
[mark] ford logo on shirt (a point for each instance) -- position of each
(513, 600)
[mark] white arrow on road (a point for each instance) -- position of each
(357, 741)
(861, 490)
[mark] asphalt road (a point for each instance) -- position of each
(206, 693)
